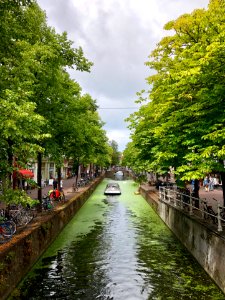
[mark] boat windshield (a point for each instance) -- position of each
(114, 185)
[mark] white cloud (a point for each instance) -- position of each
(120, 136)
(117, 36)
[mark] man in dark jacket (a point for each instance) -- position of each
(55, 183)
(195, 193)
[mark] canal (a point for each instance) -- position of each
(117, 248)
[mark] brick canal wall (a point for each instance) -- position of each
(201, 239)
(20, 254)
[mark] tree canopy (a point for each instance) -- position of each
(42, 108)
(115, 158)
(182, 124)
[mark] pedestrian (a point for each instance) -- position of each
(192, 185)
(206, 183)
(61, 185)
(55, 183)
(25, 185)
(211, 183)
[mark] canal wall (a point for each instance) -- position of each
(201, 239)
(19, 255)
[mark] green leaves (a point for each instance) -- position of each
(16, 197)
(183, 124)
(42, 109)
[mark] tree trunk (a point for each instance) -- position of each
(59, 177)
(39, 179)
(76, 170)
(11, 176)
(222, 174)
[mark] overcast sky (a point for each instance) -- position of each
(117, 36)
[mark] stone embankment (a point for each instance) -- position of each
(19, 255)
(201, 239)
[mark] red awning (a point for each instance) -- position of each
(26, 173)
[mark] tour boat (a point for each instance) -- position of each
(112, 188)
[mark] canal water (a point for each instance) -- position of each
(117, 248)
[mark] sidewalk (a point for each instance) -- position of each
(216, 194)
(67, 188)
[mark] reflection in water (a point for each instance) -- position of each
(117, 248)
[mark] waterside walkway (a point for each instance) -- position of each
(67, 188)
(213, 197)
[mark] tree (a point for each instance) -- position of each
(33, 61)
(50, 54)
(19, 122)
(187, 96)
(86, 142)
(42, 109)
(115, 154)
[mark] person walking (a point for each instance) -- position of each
(211, 183)
(206, 184)
(61, 185)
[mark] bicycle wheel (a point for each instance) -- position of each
(12, 225)
(22, 218)
(5, 229)
(5, 233)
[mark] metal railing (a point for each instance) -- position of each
(194, 206)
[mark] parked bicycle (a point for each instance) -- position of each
(83, 182)
(209, 213)
(20, 215)
(47, 203)
(7, 228)
(222, 212)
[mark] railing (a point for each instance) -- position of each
(194, 206)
